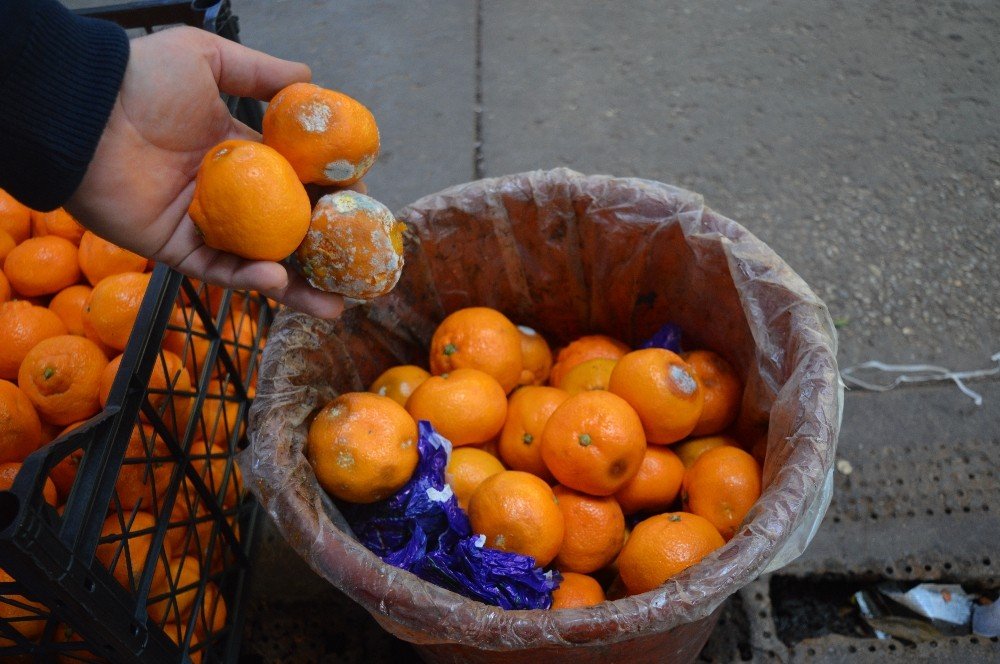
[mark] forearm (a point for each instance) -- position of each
(59, 78)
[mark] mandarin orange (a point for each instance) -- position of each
(466, 406)
(657, 483)
(42, 266)
(517, 512)
(354, 246)
(248, 201)
(528, 410)
(478, 338)
(722, 486)
(20, 428)
(398, 382)
(536, 357)
(594, 533)
(584, 348)
(722, 388)
(327, 137)
(662, 546)
(662, 389)
(62, 377)
(593, 442)
(362, 447)
(466, 470)
(577, 591)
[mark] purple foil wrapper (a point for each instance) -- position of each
(668, 336)
(423, 530)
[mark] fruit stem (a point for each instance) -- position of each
(585, 439)
(450, 349)
(48, 373)
(528, 438)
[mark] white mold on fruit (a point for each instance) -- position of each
(314, 117)
(337, 171)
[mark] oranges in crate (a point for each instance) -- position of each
(612, 465)
(68, 303)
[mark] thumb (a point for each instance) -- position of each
(244, 72)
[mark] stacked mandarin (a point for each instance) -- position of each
(251, 199)
(619, 467)
(69, 300)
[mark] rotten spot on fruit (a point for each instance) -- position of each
(684, 381)
(585, 439)
(450, 349)
(528, 438)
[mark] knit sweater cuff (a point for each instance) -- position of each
(59, 85)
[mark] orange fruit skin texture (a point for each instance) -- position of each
(585, 348)
(398, 382)
(466, 470)
(662, 389)
(22, 326)
(5, 291)
(59, 222)
(8, 473)
(517, 512)
(68, 304)
(722, 388)
(14, 218)
(722, 486)
(99, 258)
(62, 377)
(138, 546)
(353, 247)
(588, 375)
(466, 406)
(112, 308)
(594, 532)
(593, 443)
(42, 266)
(657, 483)
(577, 591)
(363, 447)
(327, 137)
(6, 245)
(478, 338)
(662, 546)
(20, 428)
(528, 409)
(689, 450)
(248, 201)
(536, 357)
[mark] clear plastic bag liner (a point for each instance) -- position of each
(568, 255)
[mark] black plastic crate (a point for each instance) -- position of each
(149, 476)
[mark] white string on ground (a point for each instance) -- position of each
(918, 373)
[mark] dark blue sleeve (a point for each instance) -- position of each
(59, 78)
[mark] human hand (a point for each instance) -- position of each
(168, 114)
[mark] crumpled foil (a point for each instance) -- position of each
(569, 255)
(422, 529)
